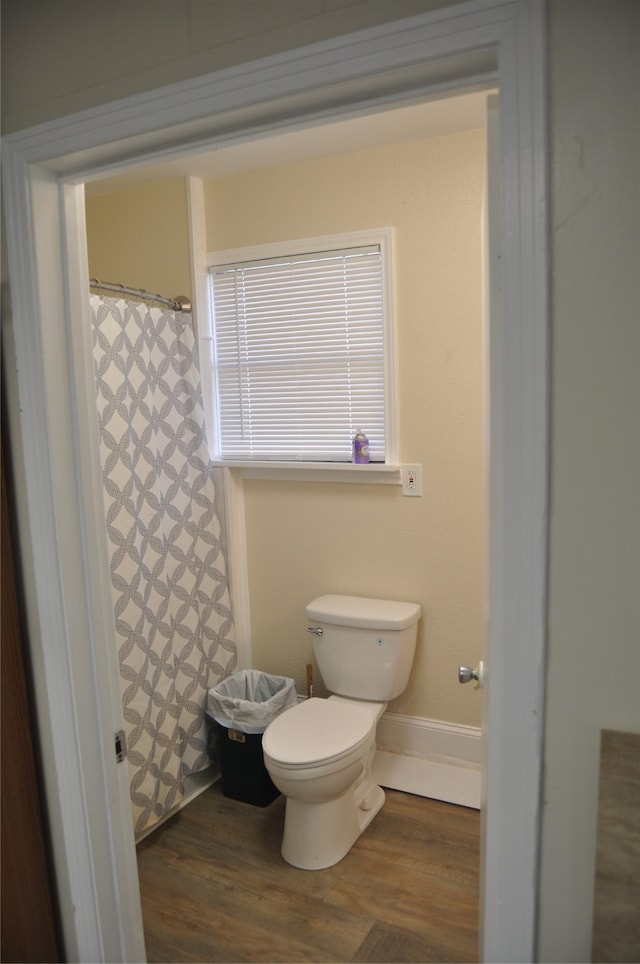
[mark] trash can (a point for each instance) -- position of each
(241, 707)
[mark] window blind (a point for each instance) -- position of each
(298, 352)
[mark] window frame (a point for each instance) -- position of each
(313, 470)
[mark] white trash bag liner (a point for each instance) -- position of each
(249, 700)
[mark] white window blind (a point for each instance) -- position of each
(298, 356)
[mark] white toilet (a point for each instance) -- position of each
(319, 753)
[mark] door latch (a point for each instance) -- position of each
(120, 745)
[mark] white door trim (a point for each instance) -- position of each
(45, 235)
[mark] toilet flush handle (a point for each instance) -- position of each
(316, 630)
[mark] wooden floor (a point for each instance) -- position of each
(214, 887)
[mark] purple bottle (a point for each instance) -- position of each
(360, 448)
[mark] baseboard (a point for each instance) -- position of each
(429, 758)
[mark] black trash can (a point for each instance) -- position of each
(241, 707)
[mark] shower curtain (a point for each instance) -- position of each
(168, 578)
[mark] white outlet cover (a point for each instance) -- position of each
(412, 480)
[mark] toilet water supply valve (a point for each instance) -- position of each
(317, 631)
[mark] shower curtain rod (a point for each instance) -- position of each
(179, 303)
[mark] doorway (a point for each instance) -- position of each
(39, 217)
(430, 550)
(440, 149)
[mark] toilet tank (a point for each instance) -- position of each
(366, 646)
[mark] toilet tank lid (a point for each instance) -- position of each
(363, 612)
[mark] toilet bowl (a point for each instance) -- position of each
(319, 755)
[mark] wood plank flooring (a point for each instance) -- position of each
(215, 888)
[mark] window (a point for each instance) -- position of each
(300, 350)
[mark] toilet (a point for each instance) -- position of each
(319, 753)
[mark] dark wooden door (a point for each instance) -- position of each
(28, 930)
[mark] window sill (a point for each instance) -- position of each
(374, 473)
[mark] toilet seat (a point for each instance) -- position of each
(316, 732)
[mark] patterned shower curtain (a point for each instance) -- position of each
(168, 578)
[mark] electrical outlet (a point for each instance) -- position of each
(412, 480)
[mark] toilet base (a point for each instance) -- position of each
(318, 835)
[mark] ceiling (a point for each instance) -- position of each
(393, 125)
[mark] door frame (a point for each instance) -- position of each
(476, 44)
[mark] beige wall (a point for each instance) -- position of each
(306, 539)
(140, 237)
(62, 59)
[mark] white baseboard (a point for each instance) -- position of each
(429, 758)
